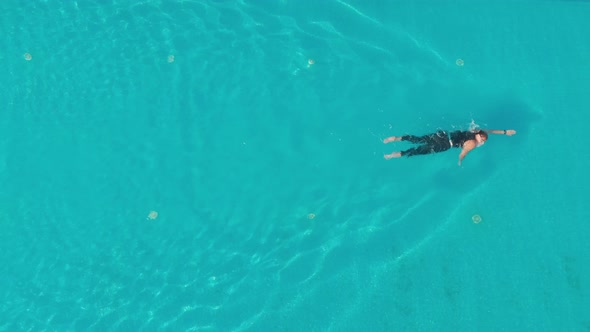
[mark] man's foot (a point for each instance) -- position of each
(393, 155)
(391, 139)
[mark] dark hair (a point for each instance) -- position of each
(482, 133)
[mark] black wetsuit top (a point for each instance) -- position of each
(458, 138)
(437, 142)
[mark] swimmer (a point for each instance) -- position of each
(443, 141)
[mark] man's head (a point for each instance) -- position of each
(481, 137)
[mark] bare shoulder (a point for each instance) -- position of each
(469, 145)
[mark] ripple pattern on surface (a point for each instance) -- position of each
(234, 143)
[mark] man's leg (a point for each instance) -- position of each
(391, 139)
(409, 138)
(393, 155)
(422, 149)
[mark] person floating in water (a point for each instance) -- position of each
(443, 141)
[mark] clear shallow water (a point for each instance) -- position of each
(239, 139)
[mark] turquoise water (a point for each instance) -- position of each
(276, 209)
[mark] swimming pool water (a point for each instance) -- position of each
(254, 130)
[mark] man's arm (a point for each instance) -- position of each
(467, 146)
(508, 132)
